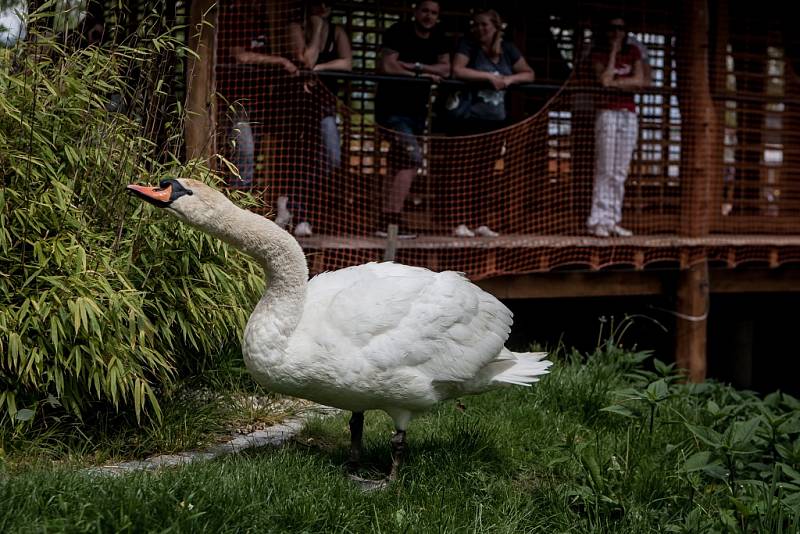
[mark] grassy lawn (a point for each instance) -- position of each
(603, 446)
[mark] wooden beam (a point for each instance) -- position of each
(200, 81)
(636, 283)
(575, 284)
(782, 280)
(691, 327)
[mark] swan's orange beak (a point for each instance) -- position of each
(154, 195)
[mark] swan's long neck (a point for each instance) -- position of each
(281, 306)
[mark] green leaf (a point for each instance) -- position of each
(592, 466)
(619, 410)
(744, 431)
(24, 415)
(791, 426)
(697, 461)
(716, 470)
(790, 472)
(663, 368)
(706, 435)
(658, 390)
(727, 519)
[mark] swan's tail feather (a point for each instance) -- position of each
(519, 368)
(508, 368)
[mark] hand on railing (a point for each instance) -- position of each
(423, 79)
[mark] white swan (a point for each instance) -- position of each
(379, 336)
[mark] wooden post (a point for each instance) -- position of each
(698, 122)
(390, 251)
(741, 355)
(721, 193)
(699, 167)
(200, 81)
(692, 321)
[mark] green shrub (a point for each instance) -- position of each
(99, 306)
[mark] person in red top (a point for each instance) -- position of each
(618, 68)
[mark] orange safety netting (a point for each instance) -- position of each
(714, 177)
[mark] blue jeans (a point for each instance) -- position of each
(330, 140)
(407, 128)
(243, 156)
(243, 139)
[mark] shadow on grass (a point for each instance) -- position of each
(434, 447)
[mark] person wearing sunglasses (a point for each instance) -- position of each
(619, 70)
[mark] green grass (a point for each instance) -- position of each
(603, 446)
(197, 411)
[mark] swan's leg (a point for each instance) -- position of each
(356, 433)
(401, 419)
(398, 452)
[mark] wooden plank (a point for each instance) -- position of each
(200, 104)
(691, 327)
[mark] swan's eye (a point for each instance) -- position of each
(177, 189)
(165, 184)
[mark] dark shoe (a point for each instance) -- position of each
(392, 218)
(401, 234)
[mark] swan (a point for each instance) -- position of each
(378, 336)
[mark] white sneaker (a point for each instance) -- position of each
(620, 231)
(284, 216)
(599, 231)
(462, 231)
(485, 231)
(303, 230)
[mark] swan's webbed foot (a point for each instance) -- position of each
(367, 484)
(353, 463)
(398, 453)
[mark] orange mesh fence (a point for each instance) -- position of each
(701, 161)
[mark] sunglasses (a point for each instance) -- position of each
(620, 27)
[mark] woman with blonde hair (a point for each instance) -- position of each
(486, 58)
(491, 64)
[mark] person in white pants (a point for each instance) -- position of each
(618, 66)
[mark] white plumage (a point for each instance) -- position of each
(13, 23)
(397, 338)
(379, 336)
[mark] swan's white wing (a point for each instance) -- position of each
(388, 316)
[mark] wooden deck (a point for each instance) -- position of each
(485, 258)
(517, 241)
